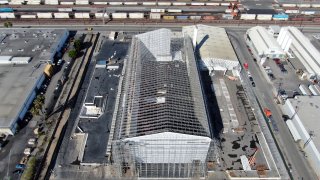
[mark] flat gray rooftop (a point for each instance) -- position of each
(17, 81)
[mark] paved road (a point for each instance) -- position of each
(300, 167)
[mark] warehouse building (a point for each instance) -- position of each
(162, 128)
(291, 38)
(262, 43)
(24, 55)
(214, 47)
(304, 114)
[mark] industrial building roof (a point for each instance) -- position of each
(213, 42)
(263, 40)
(18, 80)
(161, 90)
(303, 49)
(308, 108)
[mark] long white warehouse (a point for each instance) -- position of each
(263, 44)
(293, 39)
(304, 111)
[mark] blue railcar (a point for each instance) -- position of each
(5, 10)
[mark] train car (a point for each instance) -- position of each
(208, 17)
(7, 16)
(61, 15)
(195, 17)
(101, 15)
(174, 10)
(44, 15)
(115, 3)
(197, 4)
(248, 16)
(4, 2)
(179, 3)
(212, 4)
(6, 10)
(158, 10)
(119, 15)
(182, 17)
(289, 5)
(264, 17)
(164, 3)
(280, 17)
(28, 16)
(81, 15)
(131, 3)
(292, 11)
(168, 17)
(155, 16)
(136, 15)
(65, 9)
(82, 2)
(149, 3)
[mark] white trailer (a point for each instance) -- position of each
(304, 90)
(44, 15)
(119, 15)
(313, 90)
(61, 15)
(136, 15)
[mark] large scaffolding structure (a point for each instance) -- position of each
(161, 128)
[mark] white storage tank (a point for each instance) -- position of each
(179, 3)
(212, 4)
(164, 3)
(313, 90)
(82, 2)
(61, 15)
(7, 15)
(130, 3)
(304, 90)
(28, 16)
(149, 3)
(197, 4)
(248, 16)
(119, 15)
(155, 16)
(81, 15)
(264, 17)
(44, 15)
(136, 15)
(115, 3)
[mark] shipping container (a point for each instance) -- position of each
(101, 15)
(4, 10)
(82, 2)
(155, 16)
(197, 4)
(264, 17)
(174, 10)
(212, 4)
(119, 15)
(61, 15)
(248, 16)
(130, 3)
(65, 9)
(7, 15)
(195, 17)
(227, 16)
(28, 16)
(81, 15)
(304, 5)
(304, 90)
(313, 90)
(182, 17)
(115, 3)
(164, 3)
(149, 3)
(44, 15)
(280, 17)
(136, 15)
(317, 87)
(208, 17)
(179, 4)
(289, 5)
(158, 10)
(168, 17)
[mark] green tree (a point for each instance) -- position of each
(73, 54)
(37, 105)
(5, 24)
(77, 44)
(30, 169)
(10, 24)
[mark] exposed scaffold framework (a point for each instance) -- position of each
(162, 128)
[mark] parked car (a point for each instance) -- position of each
(60, 62)
(253, 84)
(251, 78)
(27, 151)
(20, 166)
(32, 141)
(17, 171)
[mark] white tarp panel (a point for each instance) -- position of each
(295, 134)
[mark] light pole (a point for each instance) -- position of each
(311, 133)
